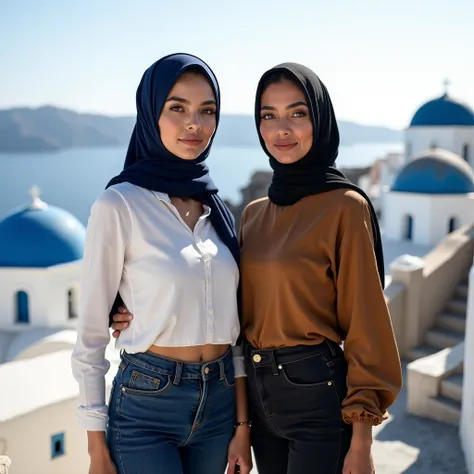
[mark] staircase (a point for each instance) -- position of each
(447, 332)
(449, 327)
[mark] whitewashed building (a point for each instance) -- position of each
(41, 248)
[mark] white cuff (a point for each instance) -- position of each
(239, 362)
(93, 418)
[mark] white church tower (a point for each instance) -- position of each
(41, 249)
(433, 193)
(442, 123)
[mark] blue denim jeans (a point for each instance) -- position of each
(171, 417)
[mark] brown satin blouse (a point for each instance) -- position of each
(309, 272)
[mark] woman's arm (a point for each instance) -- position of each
(374, 371)
(106, 242)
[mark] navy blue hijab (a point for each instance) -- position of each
(150, 165)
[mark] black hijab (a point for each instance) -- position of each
(316, 172)
(150, 165)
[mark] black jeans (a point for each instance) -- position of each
(295, 396)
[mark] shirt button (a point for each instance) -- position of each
(257, 358)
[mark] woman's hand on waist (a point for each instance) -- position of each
(121, 321)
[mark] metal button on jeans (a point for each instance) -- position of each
(257, 358)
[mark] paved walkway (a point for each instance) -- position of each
(405, 444)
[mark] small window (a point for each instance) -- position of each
(465, 152)
(452, 225)
(22, 309)
(408, 228)
(57, 445)
(71, 304)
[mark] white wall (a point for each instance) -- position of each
(61, 279)
(35, 283)
(430, 213)
(47, 290)
(443, 208)
(28, 440)
(420, 139)
(467, 414)
(56, 342)
(396, 208)
(462, 136)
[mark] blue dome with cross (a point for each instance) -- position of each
(40, 236)
(443, 112)
(435, 171)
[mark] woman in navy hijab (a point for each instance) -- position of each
(161, 242)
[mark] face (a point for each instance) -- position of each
(188, 120)
(285, 124)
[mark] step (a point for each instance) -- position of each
(442, 338)
(451, 387)
(462, 290)
(444, 410)
(420, 352)
(451, 321)
(457, 306)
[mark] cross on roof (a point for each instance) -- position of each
(446, 84)
(34, 192)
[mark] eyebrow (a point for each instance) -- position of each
(291, 106)
(186, 101)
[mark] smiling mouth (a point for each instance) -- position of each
(285, 146)
(190, 141)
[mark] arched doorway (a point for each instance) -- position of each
(465, 152)
(71, 304)
(452, 225)
(408, 228)
(22, 308)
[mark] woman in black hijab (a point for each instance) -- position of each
(312, 278)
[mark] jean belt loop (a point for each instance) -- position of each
(177, 373)
(274, 364)
(221, 369)
(331, 347)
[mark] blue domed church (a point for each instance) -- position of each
(432, 194)
(41, 248)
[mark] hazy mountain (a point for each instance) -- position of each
(52, 128)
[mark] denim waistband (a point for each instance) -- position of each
(284, 355)
(180, 370)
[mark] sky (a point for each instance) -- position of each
(379, 59)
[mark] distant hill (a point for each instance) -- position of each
(51, 128)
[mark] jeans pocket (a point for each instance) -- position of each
(308, 372)
(139, 381)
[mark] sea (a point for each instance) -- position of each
(72, 179)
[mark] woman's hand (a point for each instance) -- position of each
(102, 465)
(101, 462)
(239, 455)
(359, 461)
(121, 321)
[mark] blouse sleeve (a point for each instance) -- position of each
(108, 234)
(374, 371)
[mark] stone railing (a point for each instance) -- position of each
(421, 287)
(5, 463)
(467, 412)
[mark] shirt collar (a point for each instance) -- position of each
(165, 198)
